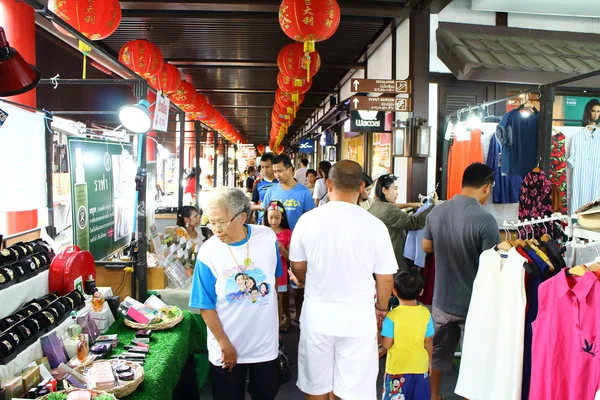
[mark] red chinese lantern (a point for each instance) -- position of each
(260, 148)
(284, 111)
(285, 99)
(198, 106)
(96, 20)
(205, 114)
(309, 21)
(297, 64)
(286, 84)
(167, 80)
(143, 57)
(184, 95)
(279, 149)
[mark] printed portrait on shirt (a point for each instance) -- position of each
(246, 286)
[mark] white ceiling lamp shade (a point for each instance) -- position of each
(136, 117)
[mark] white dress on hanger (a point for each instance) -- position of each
(491, 366)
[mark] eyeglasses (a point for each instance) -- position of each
(493, 180)
(221, 226)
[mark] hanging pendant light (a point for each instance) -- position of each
(17, 76)
(136, 117)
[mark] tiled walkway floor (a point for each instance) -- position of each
(289, 391)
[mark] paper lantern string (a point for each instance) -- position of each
(85, 49)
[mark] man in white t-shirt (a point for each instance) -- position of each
(300, 174)
(338, 341)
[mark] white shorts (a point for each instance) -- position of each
(348, 366)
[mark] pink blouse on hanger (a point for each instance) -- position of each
(566, 339)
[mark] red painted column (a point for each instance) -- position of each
(150, 144)
(18, 21)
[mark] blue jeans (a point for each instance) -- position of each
(406, 387)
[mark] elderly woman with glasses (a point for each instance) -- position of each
(233, 266)
(397, 221)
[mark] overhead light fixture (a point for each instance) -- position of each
(17, 76)
(473, 121)
(136, 117)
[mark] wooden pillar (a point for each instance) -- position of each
(419, 74)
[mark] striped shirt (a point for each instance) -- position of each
(584, 158)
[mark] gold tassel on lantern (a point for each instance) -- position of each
(306, 62)
(309, 46)
(85, 49)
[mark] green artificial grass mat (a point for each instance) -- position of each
(169, 351)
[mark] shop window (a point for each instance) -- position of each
(382, 154)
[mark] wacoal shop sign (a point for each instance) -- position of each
(371, 121)
(360, 122)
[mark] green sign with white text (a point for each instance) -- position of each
(574, 110)
(102, 176)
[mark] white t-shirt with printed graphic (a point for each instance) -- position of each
(245, 298)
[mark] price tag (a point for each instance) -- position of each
(461, 134)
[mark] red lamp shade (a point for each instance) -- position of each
(309, 21)
(17, 76)
(167, 80)
(297, 64)
(96, 20)
(143, 57)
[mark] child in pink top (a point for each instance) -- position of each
(276, 219)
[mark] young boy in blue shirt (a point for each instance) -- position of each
(407, 333)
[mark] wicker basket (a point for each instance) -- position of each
(156, 327)
(94, 393)
(125, 388)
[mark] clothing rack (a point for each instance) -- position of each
(491, 102)
(526, 223)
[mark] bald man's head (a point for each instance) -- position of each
(346, 176)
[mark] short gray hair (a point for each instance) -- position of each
(232, 199)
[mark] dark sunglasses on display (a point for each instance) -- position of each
(388, 178)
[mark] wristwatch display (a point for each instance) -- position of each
(6, 347)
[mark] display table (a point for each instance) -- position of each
(168, 355)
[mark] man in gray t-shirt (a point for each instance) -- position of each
(457, 232)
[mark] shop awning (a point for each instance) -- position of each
(512, 55)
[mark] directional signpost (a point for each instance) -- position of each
(390, 104)
(381, 86)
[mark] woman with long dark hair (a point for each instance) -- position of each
(190, 186)
(188, 226)
(396, 220)
(591, 112)
(320, 191)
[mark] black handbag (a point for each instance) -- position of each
(283, 366)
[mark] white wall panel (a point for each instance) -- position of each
(402, 49)
(379, 64)
(346, 90)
